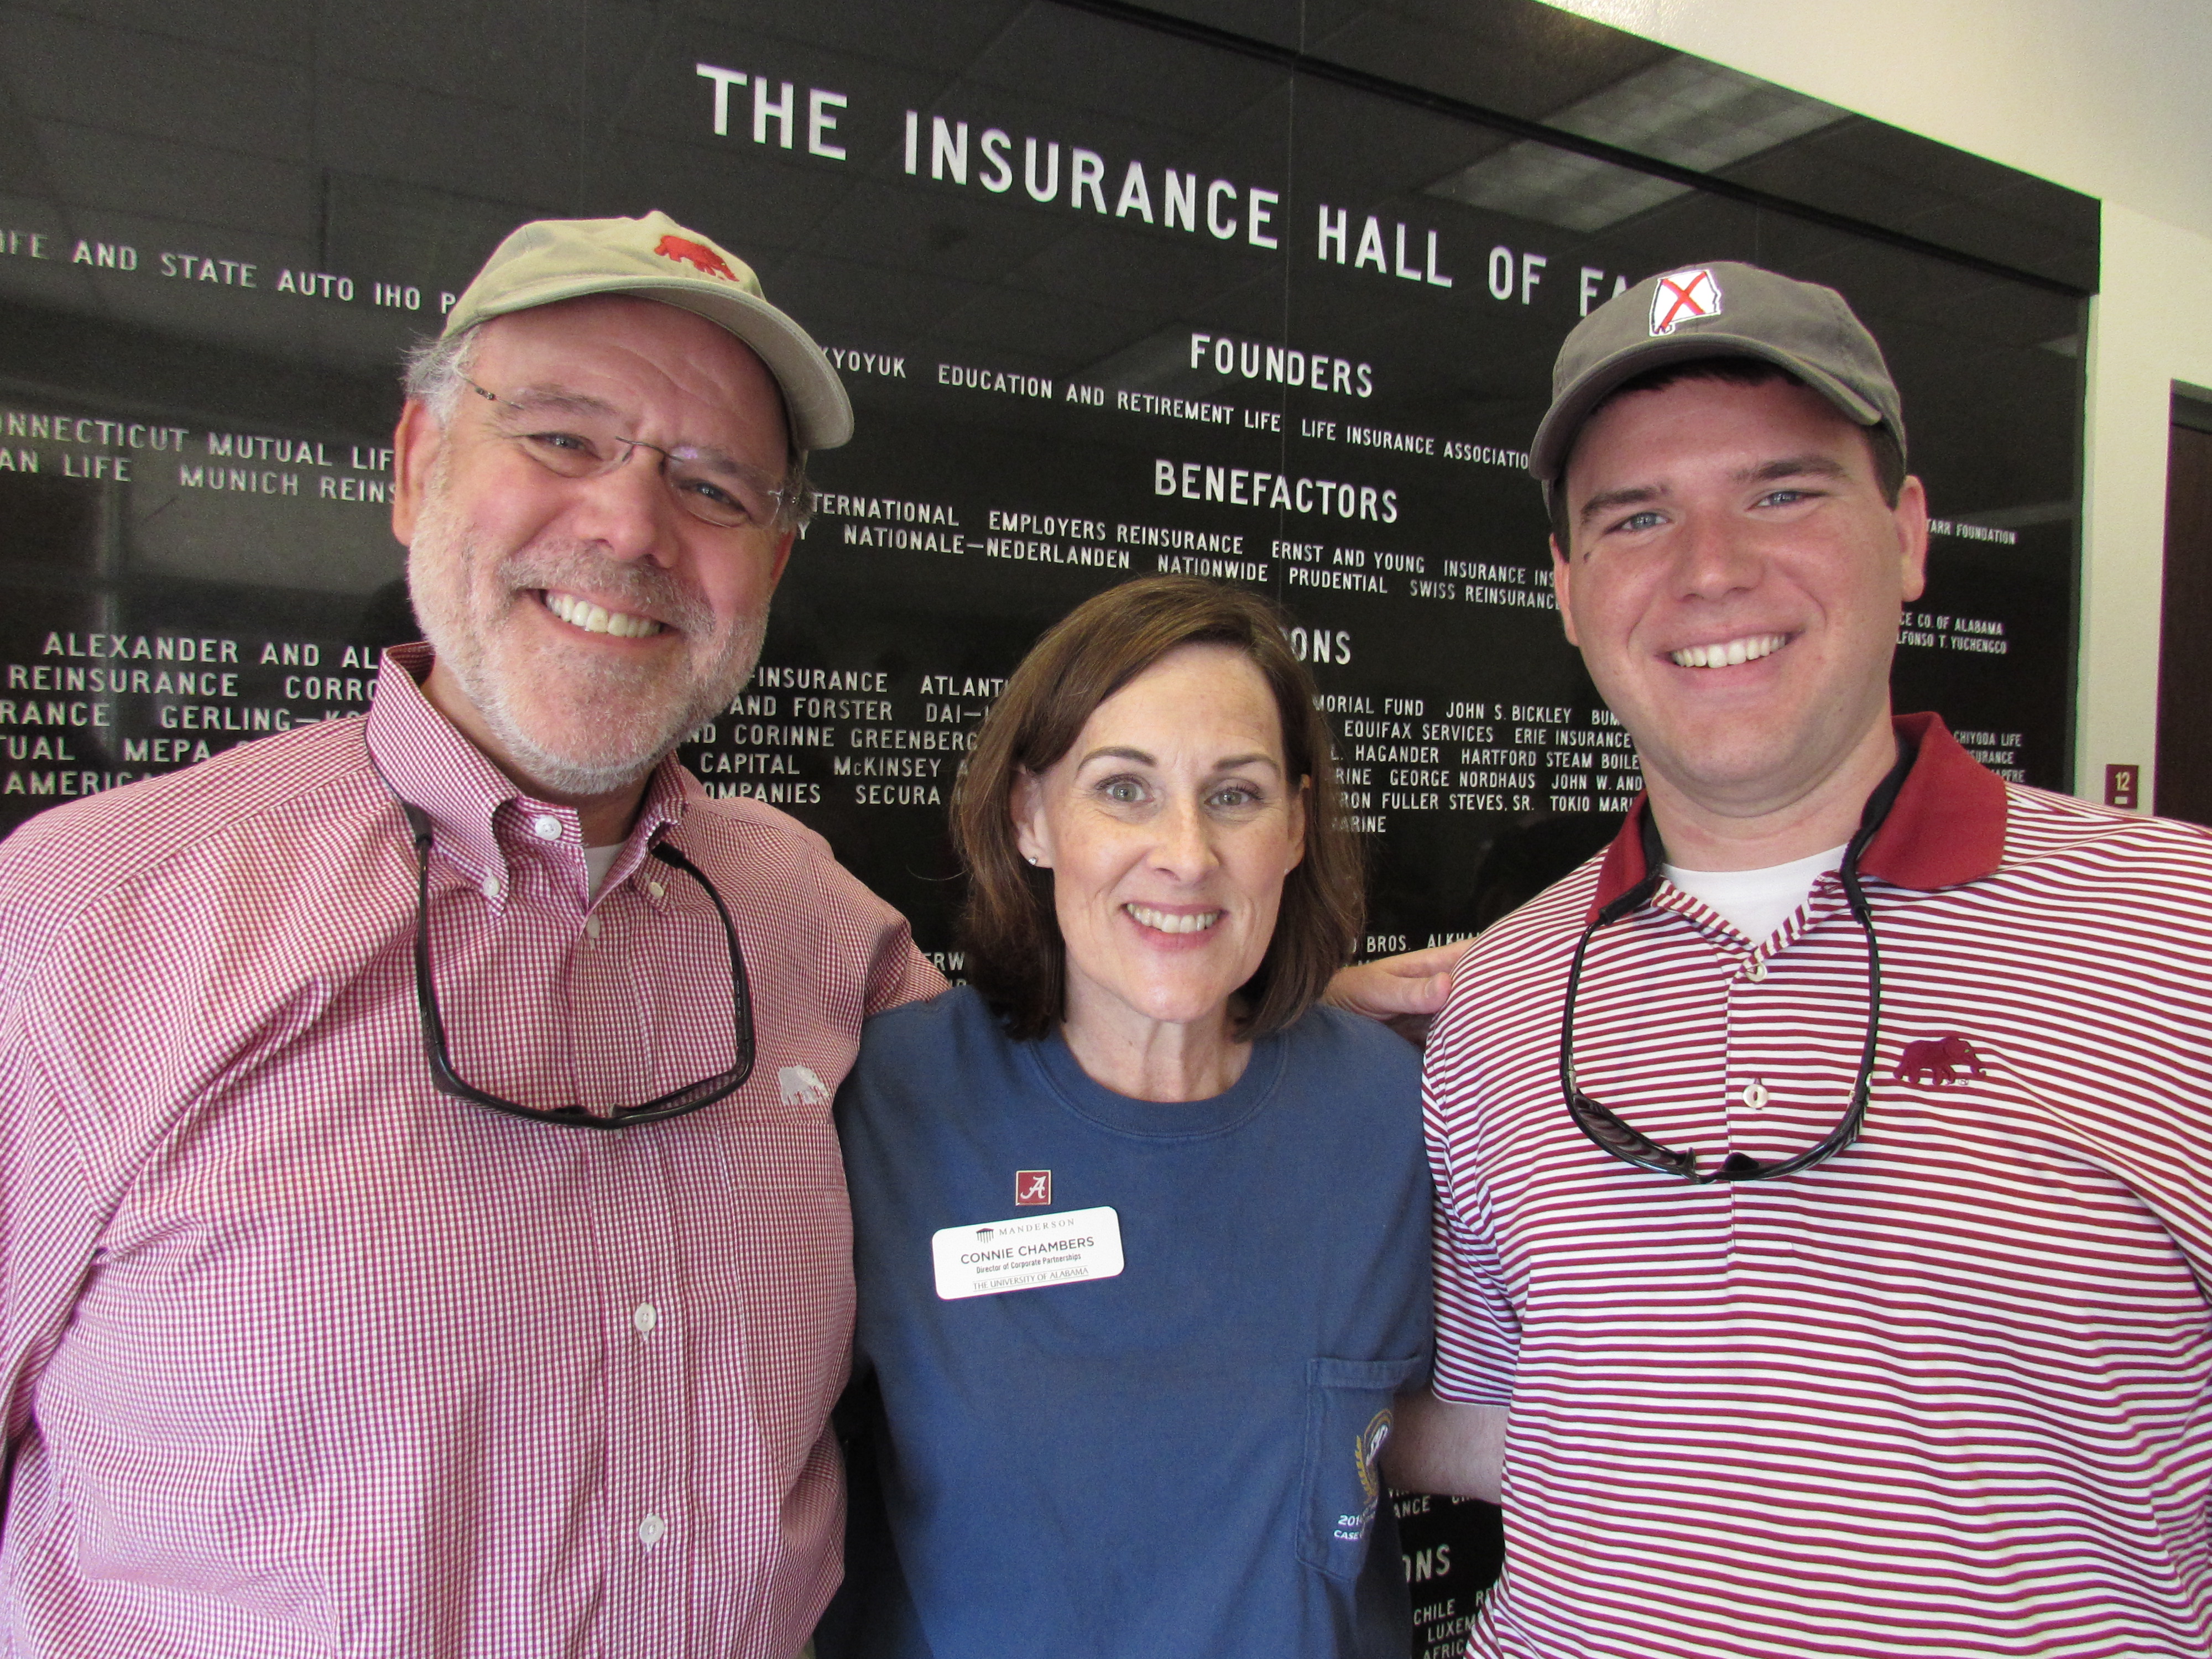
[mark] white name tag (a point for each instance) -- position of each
(1026, 1253)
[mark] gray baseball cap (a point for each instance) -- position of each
(1720, 310)
(656, 258)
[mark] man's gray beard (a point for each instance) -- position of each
(632, 742)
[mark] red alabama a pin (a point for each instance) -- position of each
(1032, 1187)
(1683, 296)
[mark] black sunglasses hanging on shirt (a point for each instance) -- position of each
(676, 1104)
(1630, 1145)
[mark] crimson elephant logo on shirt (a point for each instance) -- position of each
(1936, 1062)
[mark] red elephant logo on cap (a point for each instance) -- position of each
(683, 248)
(1937, 1061)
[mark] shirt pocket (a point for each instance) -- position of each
(1348, 1417)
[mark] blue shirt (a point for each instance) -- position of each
(1176, 1460)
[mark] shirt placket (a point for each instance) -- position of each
(1733, 1045)
(1783, 1098)
(1746, 1092)
(649, 1518)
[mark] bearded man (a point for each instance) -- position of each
(347, 1304)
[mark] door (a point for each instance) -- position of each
(2183, 780)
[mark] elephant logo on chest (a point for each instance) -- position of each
(1938, 1062)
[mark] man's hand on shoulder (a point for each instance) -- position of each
(1404, 992)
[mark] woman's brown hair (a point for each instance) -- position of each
(1016, 958)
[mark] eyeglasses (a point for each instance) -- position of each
(1630, 1145)
(582, 443)
(676, 1104)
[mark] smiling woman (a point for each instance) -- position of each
(1226, 643)
(1143, 1414)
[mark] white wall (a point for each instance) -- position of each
(2151, 327)
(2110, 97)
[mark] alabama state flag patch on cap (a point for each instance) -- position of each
(1683, 296)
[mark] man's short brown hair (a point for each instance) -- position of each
(1882, 443)
(1016, 957)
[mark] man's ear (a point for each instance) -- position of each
(416, 442)
(1562, 578)
(1911, 515)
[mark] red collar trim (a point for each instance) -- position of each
(1947, 826)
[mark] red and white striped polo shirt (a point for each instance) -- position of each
(1949, 1393)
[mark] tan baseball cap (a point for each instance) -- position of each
(656, 258)
(1720, 310)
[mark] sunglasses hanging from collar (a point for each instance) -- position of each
(1622, 1140)
(676, 1104)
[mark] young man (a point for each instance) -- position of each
(1824, 1175)
(313, 1340)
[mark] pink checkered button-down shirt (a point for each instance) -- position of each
(300, 1356)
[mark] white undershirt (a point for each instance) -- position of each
(1756, 901)
(600, 859)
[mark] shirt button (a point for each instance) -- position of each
(491, 887)
(1754, 1095)
(545, 827)
(651, 1530)
(645, 1318)
(1755, 972)
(591, 926)
(655, 889)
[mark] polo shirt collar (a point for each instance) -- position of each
(1946, 826)
(427, 761)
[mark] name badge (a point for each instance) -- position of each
(1027, 1253)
